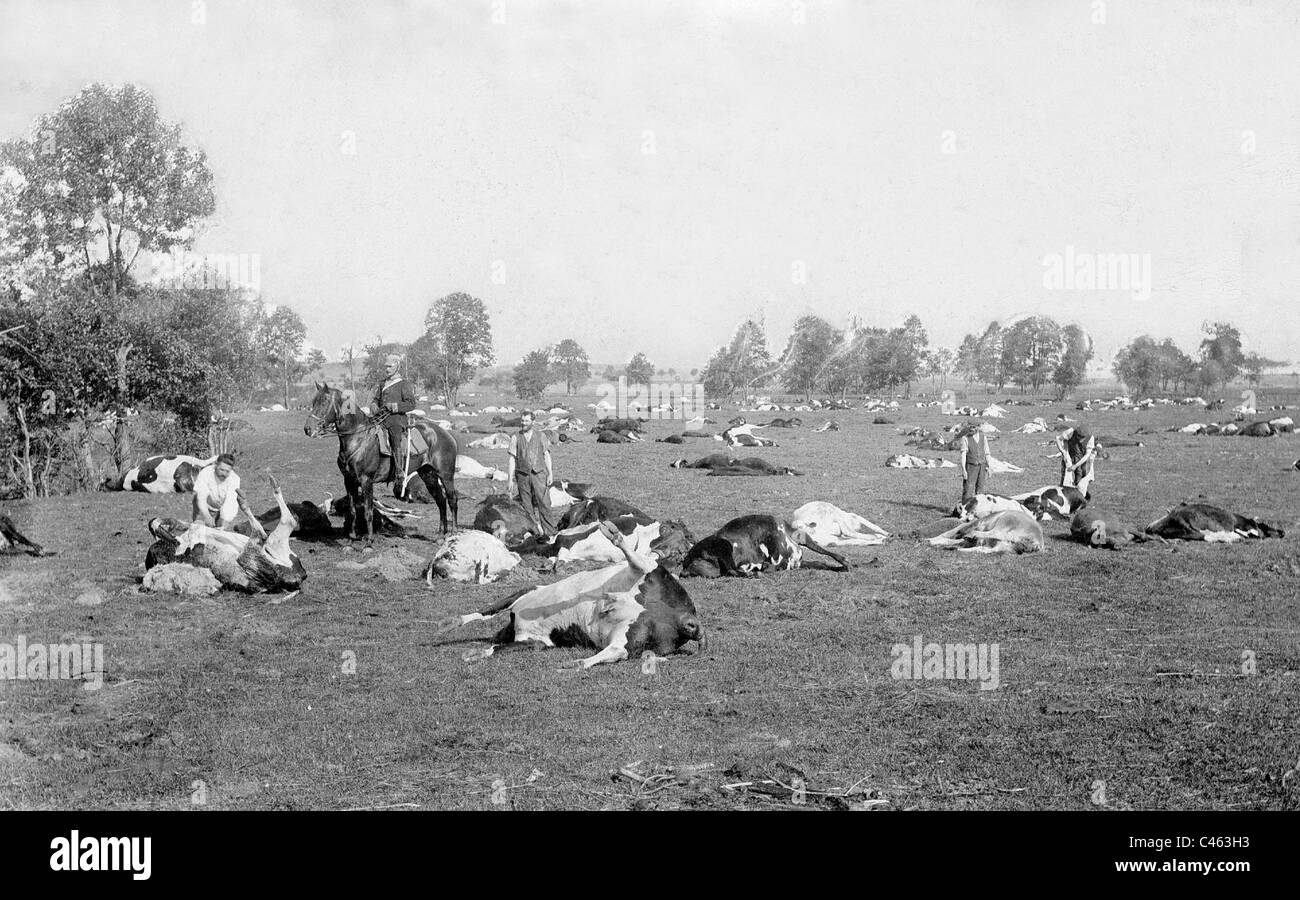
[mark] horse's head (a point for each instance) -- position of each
(326, 410)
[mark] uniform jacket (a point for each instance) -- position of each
(398, 392)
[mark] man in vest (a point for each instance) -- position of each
(974, 465)
(531, 472)
(397, 397)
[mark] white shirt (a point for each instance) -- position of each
(218, 497)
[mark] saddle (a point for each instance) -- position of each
(414, 445)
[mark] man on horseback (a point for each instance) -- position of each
(396, 397)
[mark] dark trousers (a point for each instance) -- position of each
(535, 497)
(974, 483)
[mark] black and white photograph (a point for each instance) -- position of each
(651, 405)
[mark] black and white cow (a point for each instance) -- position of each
(1046, 502)
(1212, 524)
(620, 611)
(752, 544)
(160, 475)
(1006, 531)
(12, 540)
(981, 505)
(1104, 530)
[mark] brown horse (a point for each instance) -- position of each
(362, 464)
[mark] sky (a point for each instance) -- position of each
(643, 175)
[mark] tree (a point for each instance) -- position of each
(1072, 367)
(316, 360)
(282, 337)
(909, 351)
(1253, 365)
(939, 363)
(457, 342)
(1138, 365)
(103, 167)
(569, 364)
(639, 370)
(1031, 349)
(376, 353)
(989, 365)
(968, 359)
(1173, 367)
(1222, 346)
(807, 353)
(532, 374)
(348, 356)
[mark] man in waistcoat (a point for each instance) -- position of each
(531, 473)
(974, 464)
(1078, 449)
(397, 397)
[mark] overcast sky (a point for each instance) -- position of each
(644, 175)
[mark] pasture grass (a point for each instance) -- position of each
(244, 702)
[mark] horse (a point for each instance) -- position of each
(362, 464)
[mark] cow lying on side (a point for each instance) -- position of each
(618, 437)
(497, 514)
(984, 505)
(752, 544)
(1009, 531)
(831, 526)
(160, 475)
(470, 556)
(313, 521)
(724, 464)
(621, 610)
(596, 509)
(236, 560)
(1099, 529)
(906, 461)
(1203, 522)
(1046, 502)
(11, 539)
(469, 467)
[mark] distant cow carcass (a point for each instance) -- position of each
(236, 560)
(160, 475)
(1008, 531)
(1212, 524)
(752, 544)
(907, 461)
(621, 610)
(1104, 530)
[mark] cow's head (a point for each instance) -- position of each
(669, 620)
(1265, 530)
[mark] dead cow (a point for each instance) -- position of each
(1009, 531)
(831, 526)
(1049, 501)
(1212, 524)
(11, 540)
(620, 610)
(236, 560)
(752, 544)
(173, 474)
(470, 556)
(1099, 529)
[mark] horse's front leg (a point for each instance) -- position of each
(366, 515)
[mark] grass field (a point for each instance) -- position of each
(243, 702)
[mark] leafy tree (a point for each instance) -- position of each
(103, 167)
(1072, 367)
(1137, 365)
(533, 374)
(989, 364)
(938, 363)
(1174, 368)
(569, 364)
(457, 342)
(1222, 346)
(1253, 365)
(968, 359)
(282, 337)
(348, 356)
(639, 370)
(316, 360)
(376, 353)
(1031, 349)
(807, 353)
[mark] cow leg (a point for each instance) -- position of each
(639, 562)
(808, 542)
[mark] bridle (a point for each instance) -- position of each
(328, 426)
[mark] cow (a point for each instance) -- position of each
(566, 493)
(173, 474)
(313, 521)
(1212, 524)
(386, 518)
(497, 514)
(829, 426)
(621, 610)
(1007, 531)
(831, 526)
(1258, 429)
(712, 461)
(618, 437)
(497, 440)
(11, 539)
(752, 544)
(983, 505)
(752, 465)
(590, 543)
(671, 439)
(469, 467)
(1099, 529)
(236, 560)
(795, 422)
(621, 425)
(470, 556)
(743, 436)
(595, 509)
(1046, 502)
(906, 461)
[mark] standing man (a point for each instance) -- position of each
(218, 499)
(397, 398)
(531, 473)
(974, 460)
(1078, 449)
